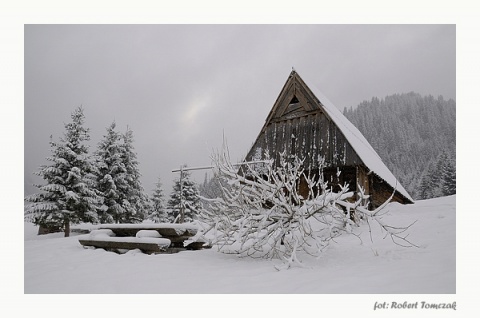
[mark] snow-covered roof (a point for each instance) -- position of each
(356, 139)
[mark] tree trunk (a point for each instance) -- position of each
(67, 228)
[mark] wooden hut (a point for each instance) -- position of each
(304, 123)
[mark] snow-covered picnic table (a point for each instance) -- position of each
(149, 238)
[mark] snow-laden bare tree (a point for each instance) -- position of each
(68, 195)
(261, 212)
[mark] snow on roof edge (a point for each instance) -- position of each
(356, 139)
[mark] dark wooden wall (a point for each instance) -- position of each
(311, 137)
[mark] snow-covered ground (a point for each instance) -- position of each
(54, 264)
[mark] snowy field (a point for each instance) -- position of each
(57, 265)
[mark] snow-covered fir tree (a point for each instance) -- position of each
(135, 200)
(118, 179)
(440, 178)
(111, 173)
(431, 182)
(449, 185)
(158, 212)
(185, 194)
(69, 193)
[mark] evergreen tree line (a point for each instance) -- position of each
(103, 187)
(416, 138)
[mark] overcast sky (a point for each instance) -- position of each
(181, 87)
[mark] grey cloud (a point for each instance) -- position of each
(179, 87)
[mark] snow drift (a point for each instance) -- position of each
(55, 264)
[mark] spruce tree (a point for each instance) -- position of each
(111, 172)
(437, 176)
(429, 182)
(68, 195)
(449, 185)
(135, 201)
(440, 179)
(184, 194)
(158, 213)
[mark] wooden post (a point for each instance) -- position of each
(182, 211)
(67, 227)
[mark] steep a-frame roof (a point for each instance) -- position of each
(311, 100)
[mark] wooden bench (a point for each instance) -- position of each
(149, 238)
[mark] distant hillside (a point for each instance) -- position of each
(415, 137)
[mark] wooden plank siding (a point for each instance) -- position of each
(311, 137)
(307, 137)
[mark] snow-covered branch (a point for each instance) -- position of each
(262, 211)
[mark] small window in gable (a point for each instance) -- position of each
(294, 101)
(293, 109)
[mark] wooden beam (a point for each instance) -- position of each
(118, 245)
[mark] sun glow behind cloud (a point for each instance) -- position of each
(196, 113)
